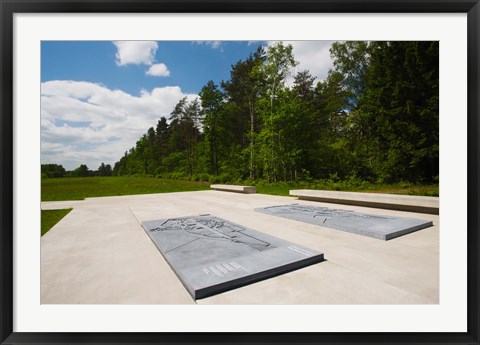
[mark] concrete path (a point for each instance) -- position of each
(99, 253)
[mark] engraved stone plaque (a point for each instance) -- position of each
(377, 226)
(212, 255)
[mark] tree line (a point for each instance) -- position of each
(57, 170)
(374, 118)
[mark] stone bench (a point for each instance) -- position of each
(421, 204)
(234, 188)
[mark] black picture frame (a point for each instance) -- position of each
(9, 7)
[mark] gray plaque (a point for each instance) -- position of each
(381, 227)
(211, 255)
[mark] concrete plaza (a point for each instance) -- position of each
(99, 253)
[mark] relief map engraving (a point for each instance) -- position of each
(377, 226)
(211, 255)
(213, 228)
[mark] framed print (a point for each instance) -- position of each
(83, 81)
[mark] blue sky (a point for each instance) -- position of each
(191, 64)
(98, 98)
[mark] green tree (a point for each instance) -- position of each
(104, 170)
(352, 60)
(400, 109)
(52, 170)
(332, 151)
(278, 65)
(374, 117)
(81, 171)
(212, 104)
(243, 91)
(184, 132)
(307, 125)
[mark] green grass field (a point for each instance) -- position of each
(52, 217)
(79, 188)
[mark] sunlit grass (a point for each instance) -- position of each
(79, 188)
(52, 217)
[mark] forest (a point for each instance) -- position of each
(374, 118)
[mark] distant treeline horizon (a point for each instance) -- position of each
(374, 118)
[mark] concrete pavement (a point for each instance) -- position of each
(99, 253)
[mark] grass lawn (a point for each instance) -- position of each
(52, 217)
(79, 188)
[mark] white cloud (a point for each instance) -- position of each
(88, 123)
(213, 44)
(135, 52)
(158, 70)
(313, 56)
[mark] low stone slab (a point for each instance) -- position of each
(212, 255)
(411, 203)
(381, 227)
(234, 188)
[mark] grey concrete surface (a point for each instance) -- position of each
(410, 203)
(212, 255)
(99, 253)
(382, 227)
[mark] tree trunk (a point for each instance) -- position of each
(252, 138)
